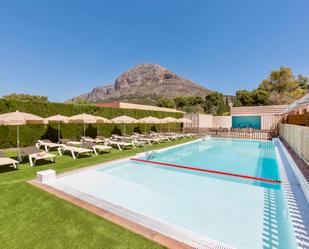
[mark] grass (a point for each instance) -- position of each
(32, 218)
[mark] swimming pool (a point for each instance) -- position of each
(239, 212)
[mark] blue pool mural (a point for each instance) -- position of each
(246, 122)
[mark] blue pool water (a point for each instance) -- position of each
(244, 157)
(241, 213)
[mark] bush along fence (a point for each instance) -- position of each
(31, 133)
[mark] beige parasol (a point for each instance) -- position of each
(149, 120)
(102, 120)
(123, 120)
(19, 118)
(84, 119)
(184, 120)
(57, 119)
(169, 120)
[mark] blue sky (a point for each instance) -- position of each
(62, 48)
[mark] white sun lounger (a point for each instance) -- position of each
(151, 140)
(34, 154)
(98, 139)
(47, 144)
(146, 138)
(70, 142)
(7, 161)
(132, 139)
(137, 142)
(75, 151)
(97, 148)
(120, 144)
(168, 136)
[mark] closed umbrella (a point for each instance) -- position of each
(19, 118)
(124, 120)
(169, 120)
(57, 119)
(84, 119)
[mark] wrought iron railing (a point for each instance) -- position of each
(236, 133)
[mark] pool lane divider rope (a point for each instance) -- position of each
(207, 170)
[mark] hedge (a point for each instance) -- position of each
(29, 134)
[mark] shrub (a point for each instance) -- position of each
(29, 134)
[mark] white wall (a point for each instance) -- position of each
(208, 121)
(269, 122)
(205, 121)
(222, 122)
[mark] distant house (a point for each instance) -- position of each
(300, 106)
(298, 112)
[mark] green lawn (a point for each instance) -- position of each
(32, 218)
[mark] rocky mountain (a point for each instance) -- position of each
(145, 83)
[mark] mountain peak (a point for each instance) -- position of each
(146, 81)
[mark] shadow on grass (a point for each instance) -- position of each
(7, 168)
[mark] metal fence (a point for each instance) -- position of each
(297, 137)
(236, 133)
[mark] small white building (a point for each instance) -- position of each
(256, 117)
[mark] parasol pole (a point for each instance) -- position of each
(18, 151)
(58, 131)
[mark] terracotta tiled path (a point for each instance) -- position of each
(134, 227)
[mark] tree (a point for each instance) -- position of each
(180, 101)
(167, 103)
(26, 97)
(280, 87)
(260, 97)
(303, 82)
(283, 87)
(244, 98)
(215, 104)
